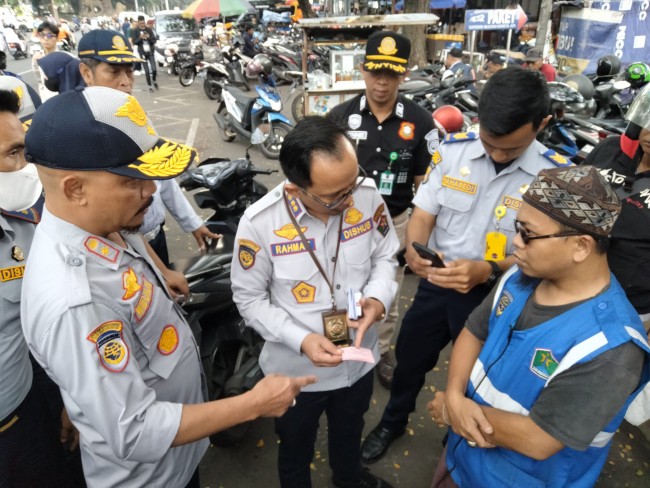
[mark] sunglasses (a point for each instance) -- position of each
(362, 174)
(46, 35)
(526, 237)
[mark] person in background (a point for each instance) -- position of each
(455, 65)
(546, 366)
(145, 39)
(250, 42)
(47, 35)
(395, 140)
(535, 61)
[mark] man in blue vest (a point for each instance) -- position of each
(543, 372)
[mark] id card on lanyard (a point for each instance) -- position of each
(496, 242)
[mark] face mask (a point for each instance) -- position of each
(20, 189)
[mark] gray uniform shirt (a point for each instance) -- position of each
(97, 317)
(15, 368)
(169, 195)
(280, 292)
(463, 191)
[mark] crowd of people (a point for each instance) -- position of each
(537, 275)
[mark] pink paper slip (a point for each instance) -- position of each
(352, 353)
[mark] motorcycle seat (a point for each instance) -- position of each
(241, 97)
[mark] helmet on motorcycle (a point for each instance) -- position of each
(448, 119)
(639, 111)
(582, 84)
(609, 65)
(638, 74)
(261, 63)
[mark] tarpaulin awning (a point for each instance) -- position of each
(437, 4)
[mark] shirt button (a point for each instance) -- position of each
(378, 149)
(333, 260)
(602, 306)
(374, 173)
(379, 127)
(74, 261)
(338, 287)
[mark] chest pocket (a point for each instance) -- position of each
(10, 299)
(161, 335)
(453, 215)
(357, 262)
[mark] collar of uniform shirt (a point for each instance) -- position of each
(524, 162)
(365, 107)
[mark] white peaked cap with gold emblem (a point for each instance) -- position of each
(102, 130)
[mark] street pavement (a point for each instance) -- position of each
(185, 115)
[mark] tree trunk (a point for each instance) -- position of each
(416, 33)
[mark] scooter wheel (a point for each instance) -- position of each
(225, 134)
(187, 76)
(273, 143)
(212, 89)
(298, 107)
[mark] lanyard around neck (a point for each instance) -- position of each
(305, 243)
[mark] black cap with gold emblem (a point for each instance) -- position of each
(108, 46)
(387, 50)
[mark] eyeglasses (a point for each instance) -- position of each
(526, 237)
(362, 174)
(46, 35)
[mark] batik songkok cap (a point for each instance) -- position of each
(577, 196)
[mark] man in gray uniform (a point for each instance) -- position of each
(30, 454)
(96, 313)
(301, 249)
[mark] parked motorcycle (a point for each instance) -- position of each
(229, 350)
(175, 57)
(240, 114)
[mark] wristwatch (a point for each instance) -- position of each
(496, 273)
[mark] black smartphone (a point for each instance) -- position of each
(425, 253)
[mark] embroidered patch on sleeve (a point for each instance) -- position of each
(247, 251)
(383, 226)
(378, 212)
(113, 351)
(168, 341)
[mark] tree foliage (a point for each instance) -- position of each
(416, 33)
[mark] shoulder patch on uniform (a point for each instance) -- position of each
(101, 248)
(168, 341)
(144, 302)
(433, 141)
(461, 137)
(113, 351)
(504, 300)
(130, 284)
(382, 225)
(30, 215)
(556, 158)
(247, 251)
(380, 210)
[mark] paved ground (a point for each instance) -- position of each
(185, 114)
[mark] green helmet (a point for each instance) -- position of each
(638, 74)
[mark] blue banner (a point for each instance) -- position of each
(619, 28)
(494, 19)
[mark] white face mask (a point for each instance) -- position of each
(20, 189)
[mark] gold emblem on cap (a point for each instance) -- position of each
(170, 159)
(387, 46)
(133, 111)
(118, 43)
(19, 91)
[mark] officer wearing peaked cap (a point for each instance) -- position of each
(97, 315)
(465, 209)
(395, 139)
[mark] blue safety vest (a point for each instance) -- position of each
(520, 363)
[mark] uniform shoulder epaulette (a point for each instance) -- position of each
(263, 203)
(460, 137)
(557, 159)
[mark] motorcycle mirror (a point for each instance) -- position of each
(258, 137)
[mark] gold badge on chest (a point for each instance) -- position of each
(17, 254)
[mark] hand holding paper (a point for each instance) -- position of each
(352, 353)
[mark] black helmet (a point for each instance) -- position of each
(608, 65)
(261, 63)
(581, 83)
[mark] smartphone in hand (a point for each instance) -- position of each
(426, 253)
